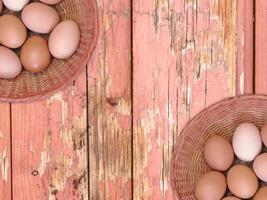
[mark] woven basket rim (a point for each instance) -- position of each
(180, 139)
(44, 95)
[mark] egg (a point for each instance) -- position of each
(15, 5)
(64, 39)
(261, 194)
(218, 153)
(247, 142)
(35, 55)
(210, 186)
(264, 134)
(51, 2)
(12, 31)
(231, 198)
(242, 182)
(39, 17)
(1, 6)
(10, 65)
(260, 166)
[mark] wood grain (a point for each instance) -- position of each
(91, 141)
(261, 47)
(5, 153)
(184, 60)
(245, 47)
(109, 78)
(49, 146)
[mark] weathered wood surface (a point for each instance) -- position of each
(110, 128)
(110, 134)
(261, 47)
(245, 47)
(184, 60)
(49, 146)
(5, 152)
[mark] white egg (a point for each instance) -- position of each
(247, 142)
(15, 5)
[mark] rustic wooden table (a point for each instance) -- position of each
(110, 134)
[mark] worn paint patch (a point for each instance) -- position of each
(123, 107)
(72, 156)
(190, 43)
(4, 165)
(109, 103)
(242, 83)
(45, 154)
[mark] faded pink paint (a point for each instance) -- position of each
(244, 83)
(5, 159)
(184, 60)
(45, 161)
(261, 47)
(180, 66)
(109, 89)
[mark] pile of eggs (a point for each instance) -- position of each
(24, 27)
(245, 175)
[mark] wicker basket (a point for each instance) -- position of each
(28, 86)
(188, 163)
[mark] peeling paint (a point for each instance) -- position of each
(148, 123)
(45, 154)
(4, 165)
(110, 105)
(199, 61)
(123, 107)
(75, 139)
(188, 98)
(242, 83)
(57, 96)
(105, 21)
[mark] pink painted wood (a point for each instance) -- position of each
(109, 90)
(49, 146)
(261, 47)
(5, 152)
(184, 60)
(110, 134)
(245, 47)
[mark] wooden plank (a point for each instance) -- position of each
(184, 60)
(245, 47)
(110, 116)
(49, 146)
(261, 47)
(5, 158)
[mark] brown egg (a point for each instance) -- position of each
(51, 2)
(242, 182)
(231, 198)
(35, 55)
(210, 186)
(10, 65)
(218, 153)
(264, 134)
(1, 6)
(39, 17)
(261, 194)
(12, 31)
(260, 166)
(64, 39)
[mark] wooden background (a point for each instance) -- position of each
(110, 134)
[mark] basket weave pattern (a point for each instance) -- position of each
(188, 162)
(28, 86)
